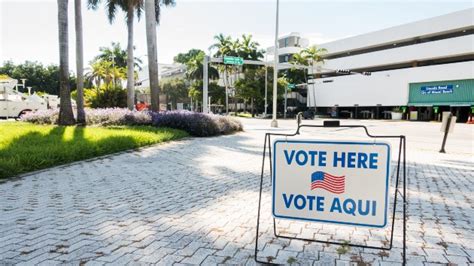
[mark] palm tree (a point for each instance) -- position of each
(116, 54)
(223, 45)
(129, 7)
(309, 57)
(81, 116)
(66, 116)
(226, 47)
(194, 68)
(248, 49)
(105, 71)
(314, 54)
(96, 73)
(150, 21)
(152, 17)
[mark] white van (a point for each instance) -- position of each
(14, 104)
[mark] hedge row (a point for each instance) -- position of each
(196, 124)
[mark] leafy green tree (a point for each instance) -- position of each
(41, 78)
(184, 58)
(249, 88)
(175, 90)
(216, 92)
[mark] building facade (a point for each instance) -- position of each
(165, 72)
(422, 68)
(288, 45)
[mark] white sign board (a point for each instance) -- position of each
(331, 181)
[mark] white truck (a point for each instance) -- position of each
(14, 104)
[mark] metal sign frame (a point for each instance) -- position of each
(400, 171)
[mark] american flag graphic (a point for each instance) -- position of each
(331, 183)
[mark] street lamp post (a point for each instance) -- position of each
(266, 85)
(275, 71)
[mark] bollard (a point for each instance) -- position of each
(299, 117)
(446, 131)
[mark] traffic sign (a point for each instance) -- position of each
(233, 60)
(291, 86)
(331, 181)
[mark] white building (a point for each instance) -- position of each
(425, 67)
(288, 45)
(165, 71)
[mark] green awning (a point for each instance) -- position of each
(442, 93)
(442, 104)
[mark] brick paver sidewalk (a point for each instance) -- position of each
(195, 202)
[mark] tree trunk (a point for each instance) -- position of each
(130, 58)
(66, 116)
(81, 116)
(152, 54)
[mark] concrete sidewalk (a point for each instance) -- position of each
(195, 202)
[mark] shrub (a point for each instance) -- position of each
(49, 116)
(104, 97)
(106, 116)
(196, 124)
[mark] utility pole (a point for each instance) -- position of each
(275, 71)
(266, 84)
(226, 83)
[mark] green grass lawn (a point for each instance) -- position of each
(26, 147)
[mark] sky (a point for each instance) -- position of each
(28, 29)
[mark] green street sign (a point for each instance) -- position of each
(291, 86)
(232, 60)
(436, 109)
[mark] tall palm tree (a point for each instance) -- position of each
(194, 68)
(116, 54)
(152, 17)
(105, 71)
(96, 73)
(150, 21)
(224, 45)
(314, 54)
(248, 49)
(130, 7)
(81, 116)
(66, 116)
(309, 57)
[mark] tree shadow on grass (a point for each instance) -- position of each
(36, 150)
